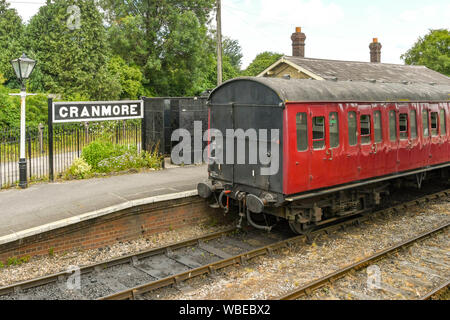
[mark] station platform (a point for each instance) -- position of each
(47, 206)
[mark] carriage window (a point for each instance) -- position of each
(403, 124)
(365, 129)
(352, 130)
(426, 131)
(392, 125)
(377, 126)
(434, 124)
(413, 123)
(302, 131)
(318, 132)
(334, 130)
(443, 125)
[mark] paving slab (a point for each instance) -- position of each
(47, 206)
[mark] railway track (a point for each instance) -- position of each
(335, 285)
(130, 276)
(119, 274)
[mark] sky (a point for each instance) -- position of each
(335, 29)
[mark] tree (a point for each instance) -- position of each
(11, 32)
(432, 51)
(167, 39)
(233, 51)
(261, 62)
(71, 55)
(130, 78)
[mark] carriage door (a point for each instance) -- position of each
(379, 147)
(350, 160)
(425, 134)
(320, 152)
(404, 144)
(392, 139)
(366, 150)
(435, 147)
(414, 141)
(336, 155)
(296, 156)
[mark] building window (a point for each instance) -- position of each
(434, 124)
(352, 129)
(319, 132)
(403, 125)
(392, 126)
(443, 124)
(426, 130)
(365, 129)
(334, 130)
(413, 123)
(377, 126)
(302, 131)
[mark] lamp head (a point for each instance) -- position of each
(23, 67)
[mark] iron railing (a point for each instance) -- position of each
(68, 143)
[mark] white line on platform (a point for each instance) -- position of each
(94, 214)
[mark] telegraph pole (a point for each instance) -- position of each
(219, 42)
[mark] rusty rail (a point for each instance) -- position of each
(308, 288)
(132, 293)
(436, 291)
(113, 262)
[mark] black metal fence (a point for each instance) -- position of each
(68, 143)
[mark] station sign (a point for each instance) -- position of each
(97, 111)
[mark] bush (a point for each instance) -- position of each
(79, 169)
(103, 157)
(97, 151)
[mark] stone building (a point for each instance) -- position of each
(299, 67)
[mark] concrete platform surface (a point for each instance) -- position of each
(47, 206)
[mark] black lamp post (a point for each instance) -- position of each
(23, 67)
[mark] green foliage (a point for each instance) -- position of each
(103, 157)
(11, 33)
(261, 62)
(99, 150)
(79, 169)
(10, 109)
(70, 62)
(432, 51)
(130, 78)
(14, 261)
(168, 40)
(228, 72)
(131, 159)
(233, 51)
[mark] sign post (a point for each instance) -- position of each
(87, 111)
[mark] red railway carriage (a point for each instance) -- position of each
(337, 145)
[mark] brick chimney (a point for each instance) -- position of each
(298, 43)
(375, 51)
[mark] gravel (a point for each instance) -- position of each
(269, 277)
(46, 265)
